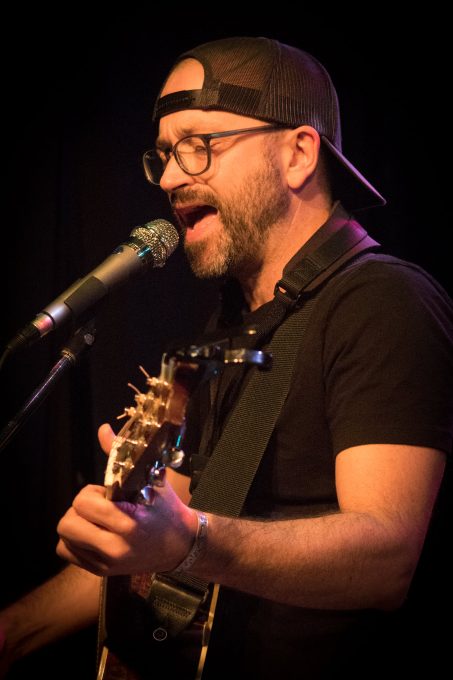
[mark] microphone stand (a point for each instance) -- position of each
(81, 340)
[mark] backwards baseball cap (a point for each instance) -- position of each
(265, 79)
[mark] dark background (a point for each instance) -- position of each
(78, 91)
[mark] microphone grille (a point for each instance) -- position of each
(161, 237)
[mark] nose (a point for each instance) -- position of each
(174, 176)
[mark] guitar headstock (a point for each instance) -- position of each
(161, 406)
(151, 438)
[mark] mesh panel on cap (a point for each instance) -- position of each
(301, 92)
(238, 61)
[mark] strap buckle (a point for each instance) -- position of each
(286, 294)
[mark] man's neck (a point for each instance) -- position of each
(283, 242)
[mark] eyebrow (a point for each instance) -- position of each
(184, 132)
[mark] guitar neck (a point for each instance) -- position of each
(152, 623)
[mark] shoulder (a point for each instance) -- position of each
(387, 355)
(378, 285)
(387, 270)
(389, 316)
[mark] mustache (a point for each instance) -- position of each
(188, 196)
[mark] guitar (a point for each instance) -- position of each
(153, 623)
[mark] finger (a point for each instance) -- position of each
(106, 436)
(92, 505)
(85, 540)
(79, 532)
(93, 489)
(85, 559)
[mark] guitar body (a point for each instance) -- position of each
(137, 646)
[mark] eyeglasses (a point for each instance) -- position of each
(193, 153)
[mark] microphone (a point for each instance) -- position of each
(149, 245)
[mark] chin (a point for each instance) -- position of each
(206, 260)
(204, 268)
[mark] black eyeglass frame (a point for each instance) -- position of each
(206, 138)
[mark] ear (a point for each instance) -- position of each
(303, 153)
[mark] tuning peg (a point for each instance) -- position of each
(173, 457)
(156, 475)
(147, 495)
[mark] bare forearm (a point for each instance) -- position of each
(61, 606)
(343, 560)
(361, 557)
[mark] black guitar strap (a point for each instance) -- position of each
(228, 475)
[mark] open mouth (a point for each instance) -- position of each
(189, 216)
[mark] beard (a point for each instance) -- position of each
(246, 215)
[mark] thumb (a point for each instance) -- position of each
(106, 436)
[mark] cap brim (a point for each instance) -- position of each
(349, 185)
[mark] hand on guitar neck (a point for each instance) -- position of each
(109, 538)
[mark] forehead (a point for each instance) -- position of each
(194, 121)
(187, 75)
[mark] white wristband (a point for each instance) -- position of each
(198, 544)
